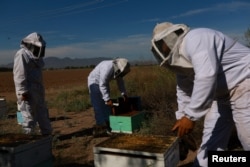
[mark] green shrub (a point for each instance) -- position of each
(73, 100)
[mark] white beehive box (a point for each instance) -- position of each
(3, 107)
(137, 150)
(25, 151)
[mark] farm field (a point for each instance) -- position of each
(73, 141)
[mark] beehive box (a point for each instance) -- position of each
(126, 123)
(137, 150)
(3, 107)
(19, 150)
(133, 104)
(127, 117)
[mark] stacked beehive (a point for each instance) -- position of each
(127, 116)
(25, 150)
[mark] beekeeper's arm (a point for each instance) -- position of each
(205, 63)
(121, 85)
(183, 89)
(203, 54)
(105, 75)
(20, 73)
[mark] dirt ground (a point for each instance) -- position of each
(73, 142)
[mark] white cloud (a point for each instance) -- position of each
(132, 47)
(136, 47)
(232, 6)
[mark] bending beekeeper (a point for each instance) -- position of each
(28, 79)
(213, 80)
(99, 89)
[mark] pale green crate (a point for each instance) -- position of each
(125, 123)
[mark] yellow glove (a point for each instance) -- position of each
(183, 126)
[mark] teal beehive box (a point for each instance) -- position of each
(127, 117)
(126, 123)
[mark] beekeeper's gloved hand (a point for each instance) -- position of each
(25, 97)
(183, 126)
(109, 103)
(125, 98)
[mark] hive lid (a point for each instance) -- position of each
(144, 143)
(13, 140)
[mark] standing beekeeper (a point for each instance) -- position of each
(213, 80)
(28, 79)
(99, 89)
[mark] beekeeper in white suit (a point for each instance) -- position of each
(213, 80)
(28, 79)
(99, 89)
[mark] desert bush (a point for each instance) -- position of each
(11, 106)
(72, 100)
(155, 86)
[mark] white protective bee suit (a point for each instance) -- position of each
(28, 79)
(99, 89)
(215, 83)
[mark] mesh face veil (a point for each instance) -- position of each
(121, 67)
(166, 32)
(35, 43)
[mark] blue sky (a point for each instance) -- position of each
(110, 28)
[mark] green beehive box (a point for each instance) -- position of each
(126, 123)
(127, 116)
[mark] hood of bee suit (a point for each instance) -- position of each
(34, 39)
(35, 43)
(167, 32)
(121, 67)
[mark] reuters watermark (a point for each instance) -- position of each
(228, 158)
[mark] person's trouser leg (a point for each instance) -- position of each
(241, 112)
(25, 108)
(42, 117)
(102, 111)
(218, 124)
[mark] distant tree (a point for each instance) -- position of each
(247, 37)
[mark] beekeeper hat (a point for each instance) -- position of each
(34, 39)
(35, 43)
(121, 67)
(167, 32)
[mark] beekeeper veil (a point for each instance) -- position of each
(35, 43)
(171, 35)
(121, 67)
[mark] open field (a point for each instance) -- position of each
(73, 141)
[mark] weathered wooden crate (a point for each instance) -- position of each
(3, 107)
(127, 117)
(137, 150)
(18, 150)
